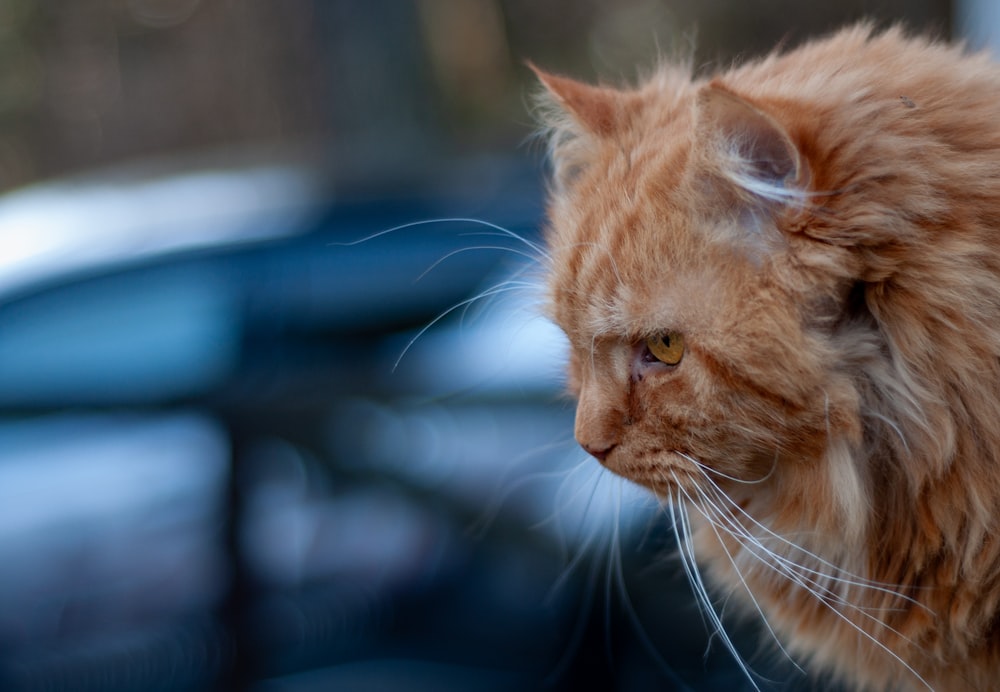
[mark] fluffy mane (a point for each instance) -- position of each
(823, 228)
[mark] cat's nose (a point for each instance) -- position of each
(598, 451)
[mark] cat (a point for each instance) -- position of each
(781, 291)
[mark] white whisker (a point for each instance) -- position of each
(578, 630)
(734, 479)
(506, 232)
(784, 566)
(892, 425)
(509, 488)
(613, 551)
(682, 530)
(472, 248)
(504, 287)
(850, 579)
(633, 615)
(564, 500)
(797, 573)
(592, 537)
(715, 529)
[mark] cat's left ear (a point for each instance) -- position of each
(595, 109)
(752, 149)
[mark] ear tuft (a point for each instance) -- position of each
(758, 155)
(595, 109)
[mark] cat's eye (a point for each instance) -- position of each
(667, 348)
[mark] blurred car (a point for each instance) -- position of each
(264, 430)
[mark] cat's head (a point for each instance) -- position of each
(713, 332)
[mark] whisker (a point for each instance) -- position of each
(686, 546)
(807, 577)
(739, 574)
(510, 285)
(503, 287)
(509, 487)
(472, 248)
(675, 506)
(640, 629)
(716, 472)
(542, 253)
(851, 579)
(892, 425)
(592, 537)
(794, 571)
(579, 629)
(828, 598)
(613, 548)
(507, 233)
(563, 501)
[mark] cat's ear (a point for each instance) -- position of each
(595, 109)
(752, 149)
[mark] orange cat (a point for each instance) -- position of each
(781, 287)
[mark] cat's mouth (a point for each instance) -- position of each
(660, 470)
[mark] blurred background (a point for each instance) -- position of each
(240, 450)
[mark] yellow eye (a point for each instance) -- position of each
(667, 348)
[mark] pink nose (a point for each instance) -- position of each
(598, 451)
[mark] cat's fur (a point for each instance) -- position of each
(823, 228)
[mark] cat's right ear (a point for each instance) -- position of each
(595, 110)
(750, 147)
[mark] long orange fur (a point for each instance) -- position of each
(823, 228)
